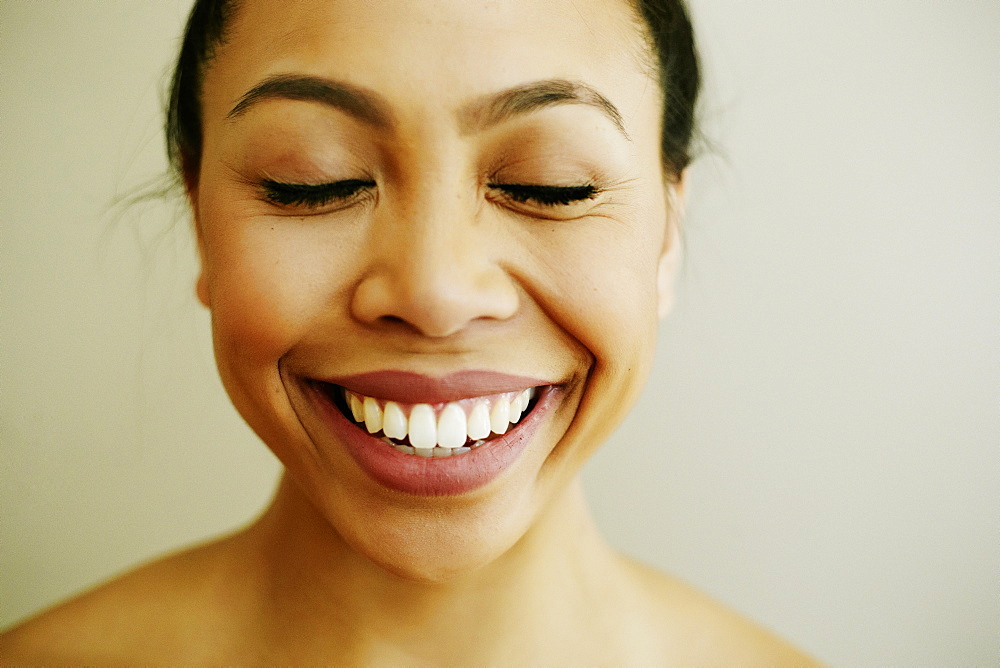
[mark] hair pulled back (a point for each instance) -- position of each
(668, 32)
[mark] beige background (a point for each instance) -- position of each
(818, 446)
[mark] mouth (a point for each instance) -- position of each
(430, 436)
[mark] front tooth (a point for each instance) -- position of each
(423, 452)
(394, 421)
(451, 427)
(422, 427)
(373, 415)
(357, 408)
(500, 416)
(479, 421)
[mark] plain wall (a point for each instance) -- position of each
(818, 446)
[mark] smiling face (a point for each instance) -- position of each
(417, 220)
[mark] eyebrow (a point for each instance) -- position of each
(485, 112)
(499, 107)
(352, 100)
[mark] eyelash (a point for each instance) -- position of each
(546, 195)
(312, 196)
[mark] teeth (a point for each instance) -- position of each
(451, 428)
(357, 408)
(422, 427)
(373, 416)
(515, 411)
(525, 399)
(520, 403)
(500, 416)
(439, 434)
(394, 421)
(479, 421)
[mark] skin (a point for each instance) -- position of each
(436, 272)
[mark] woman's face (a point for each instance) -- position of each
(437, 204)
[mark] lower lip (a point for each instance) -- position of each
(434, 476)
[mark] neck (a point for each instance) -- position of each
(534, 593)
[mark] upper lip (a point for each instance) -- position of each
(413, 388)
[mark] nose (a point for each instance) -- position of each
(435, 270)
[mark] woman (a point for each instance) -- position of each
(436, 239)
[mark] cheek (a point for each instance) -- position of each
(603, 291)
(267, 280)
(254, 302)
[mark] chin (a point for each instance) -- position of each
(434, 545)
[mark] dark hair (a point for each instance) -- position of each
(668, 26)
(204, 33)
(668, 32)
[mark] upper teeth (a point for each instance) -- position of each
(449, 427)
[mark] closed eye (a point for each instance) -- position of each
(314, 196)
(548, 196)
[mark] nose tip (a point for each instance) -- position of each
(438, 289)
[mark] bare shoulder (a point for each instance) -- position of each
(694, 629)
(147, 614)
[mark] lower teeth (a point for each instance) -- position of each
(432, 452)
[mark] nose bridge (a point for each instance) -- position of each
(428, 228)
(430, 254)
(432, 266)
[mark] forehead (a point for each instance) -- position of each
(445, 51)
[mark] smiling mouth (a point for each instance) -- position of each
(435, 430)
